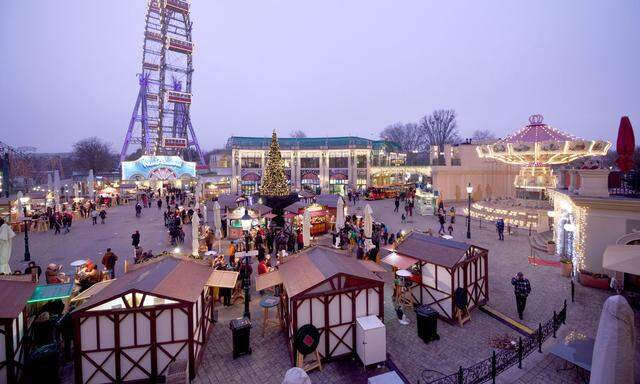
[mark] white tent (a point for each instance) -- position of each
(368, 226)
(306, 228)
(614, 348)
(195, 223)
(340, 214)
(217, 222)
(622, 258)
(49, 182)
(19, 197)
(76, 190)
(6, 238)
(90, 186)
(56, 187)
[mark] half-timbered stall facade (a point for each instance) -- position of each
(330, 291)
(14, 325)
(441, 267)
(132, 329)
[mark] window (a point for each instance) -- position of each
(338, 162)
(251, 161)
(361, 161)
(309, 162)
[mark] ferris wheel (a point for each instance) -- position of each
(160, 123)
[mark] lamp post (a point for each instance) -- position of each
(469, 192)
(246, 226)
(568, 227)
(27, 254)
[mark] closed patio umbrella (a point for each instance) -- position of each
(306, 228)
(625, 145)
(368, 226)
(614, 347)
(6, 240)
(56, 187)
(217, 222)
(195, 244)
(340, 214)
(19, 197)
(90, 182)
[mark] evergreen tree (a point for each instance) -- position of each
(274, 181)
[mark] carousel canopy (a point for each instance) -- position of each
(539, 144)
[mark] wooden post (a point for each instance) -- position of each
(493, 367)
(540, 337)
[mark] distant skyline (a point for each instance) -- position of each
(328, 68)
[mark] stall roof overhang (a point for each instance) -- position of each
(170, 277)
(92, 290)
(330, 201)
(223, 279)
(295, 207)
(622, 258)
(260, 209)
(14, 294)
(319, 264)
(430, 249)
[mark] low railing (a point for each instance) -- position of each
(500, 361)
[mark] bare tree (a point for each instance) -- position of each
(93, 153)
(405, 135)
(298, 134)
(483, 135)
(440, 128)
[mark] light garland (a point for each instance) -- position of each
(564, 204)
(513, 217)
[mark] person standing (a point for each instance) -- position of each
(500, 229)
(94, 217)
(300, 240)
(396, 202)
(159, 204)
(135, 238)
(103, 215)
(452, 213)
(522, 289)
(109, 261)
(441, 220)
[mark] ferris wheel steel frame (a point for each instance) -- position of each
(161, 122)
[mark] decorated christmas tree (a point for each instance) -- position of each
(274, 181)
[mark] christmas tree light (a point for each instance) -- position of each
(274, 181)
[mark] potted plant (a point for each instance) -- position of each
(551, 247)
(567, 267)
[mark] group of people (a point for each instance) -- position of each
(407, 198)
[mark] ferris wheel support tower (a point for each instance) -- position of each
(161, 122)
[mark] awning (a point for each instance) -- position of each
(51, 292)
(270, 216)
(222, 279)
(268, 280)
(92, 290)
(622, 258)
(398, 261)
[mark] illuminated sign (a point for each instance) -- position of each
(158, 168)
(174, 142)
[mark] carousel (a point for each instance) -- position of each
(537, 147)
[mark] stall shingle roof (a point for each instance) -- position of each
(173, 277)
(328, 200)
(319, 264)
(260, 209)
(431, 249)
(14, 294)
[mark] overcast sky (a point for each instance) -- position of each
(330, 67)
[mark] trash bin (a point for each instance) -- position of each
(43, 364)
(427, 323)
(241, 331)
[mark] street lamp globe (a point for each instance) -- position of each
(569, 227)
(246, 221)
(469, 188)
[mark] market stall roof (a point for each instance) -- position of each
(289, 215)
(260, 209)
(268, 280)
(92, 290)
(223, 279)
(318, 264)
(37, 195)
(14, 294)
(270, 216)
(373, 266)
(431, 249)
(177, 278)
(228, 201)
(330, 201)
(51, 292)
(127, 185)
(306, 194)
(622, 258)
(295, 207)
(398, 261)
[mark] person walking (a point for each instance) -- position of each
(159, 204)
(109, 261)
(94, 217)
(135, 238)
(103, 215)
(522, 289)
(441, 220)
(452, 213)
(500, 229)
(138, 209)
(397, 205)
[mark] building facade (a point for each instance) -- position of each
(340, 164)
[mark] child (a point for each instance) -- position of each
(450, 229)
(403, 218)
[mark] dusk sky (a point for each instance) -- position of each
(329, 67)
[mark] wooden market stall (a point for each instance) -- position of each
(442, 266)
(322, 210)
(14, 325)
(134, 327)
(330, 291)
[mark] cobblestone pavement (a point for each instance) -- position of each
(456, 347)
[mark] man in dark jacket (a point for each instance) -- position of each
(522, 289)
(135, 239)
(500, 229)
(109, 261)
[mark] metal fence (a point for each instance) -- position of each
(500, 361)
